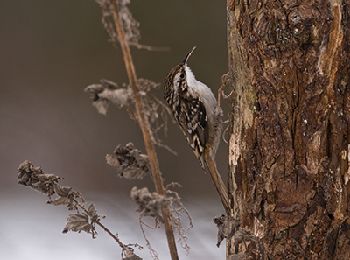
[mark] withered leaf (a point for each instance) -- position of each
(101, 106)
(106, 92)
(65, 196)
(77, 223)
(92, 212)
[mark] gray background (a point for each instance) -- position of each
(50, 51)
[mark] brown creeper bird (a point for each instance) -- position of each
(195, 109)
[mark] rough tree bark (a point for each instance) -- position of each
(289, 66)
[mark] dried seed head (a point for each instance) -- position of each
(129, 23)
(149, 204)
(29, 175)
(129, 162)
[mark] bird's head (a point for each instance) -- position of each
(177, 74)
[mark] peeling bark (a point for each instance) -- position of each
(289, 152)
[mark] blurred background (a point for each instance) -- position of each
(49, 52)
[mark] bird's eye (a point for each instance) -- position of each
(182, 75)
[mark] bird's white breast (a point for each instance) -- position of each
(199, 89)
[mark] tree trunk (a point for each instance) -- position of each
(289, 66)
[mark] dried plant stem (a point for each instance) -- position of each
(144, 125)
(111, 234)
(217, 180)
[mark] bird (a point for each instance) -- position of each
(194, 108)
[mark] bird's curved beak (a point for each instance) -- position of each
(188, 55)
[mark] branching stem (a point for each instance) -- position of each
(99, 223)
(145, 128)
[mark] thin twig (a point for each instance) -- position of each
(145, 128)
(149, 48)
(211, 164)
(217, 180)
(98, 222)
